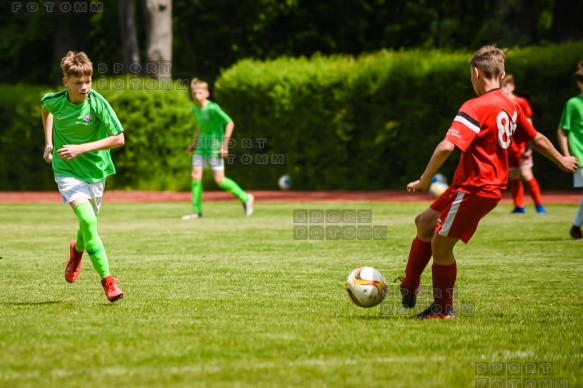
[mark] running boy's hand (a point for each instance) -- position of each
(569, 163)
(48, 154)
(224, 151)
(417, 186)
(70, 151)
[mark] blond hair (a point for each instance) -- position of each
(198, 84)
(490, 60)
(76, 65)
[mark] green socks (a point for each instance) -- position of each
(233, 188)
(196, 188)
(90, 239)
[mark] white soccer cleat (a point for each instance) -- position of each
(248, 205)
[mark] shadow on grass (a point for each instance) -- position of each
(48, 302)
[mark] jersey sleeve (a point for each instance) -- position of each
(48, 102)
(566, 117)
(107, 115)
(464, 128)
(223, 117)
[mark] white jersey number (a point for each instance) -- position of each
(506, 128)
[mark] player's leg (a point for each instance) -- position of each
(517, 190)
(419, 256)
(74, 190)
(86, 211)
(533, 187)
(198, 164)
(457, 221)
(218, 167)
(576, 228)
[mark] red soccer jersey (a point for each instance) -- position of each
(523, 102)
(482, 130)
(519, 148)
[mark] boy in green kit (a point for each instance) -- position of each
(570, 135)
(211, 145)
(80, 128)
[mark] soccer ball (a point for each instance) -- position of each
(366, 287)
(284, 182)
(438, 185)
(437, 188)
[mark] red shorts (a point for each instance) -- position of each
(513, 161)
(460, 213)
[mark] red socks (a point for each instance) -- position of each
(534, 190)
(444, 277)
(419, 256)
(517, 192)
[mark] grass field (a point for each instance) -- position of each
(229, 301)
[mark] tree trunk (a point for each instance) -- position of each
(129, 36)
(70, 29)
(567, 24)
(159, 31)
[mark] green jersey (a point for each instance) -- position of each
(92, 120)
(211, 121)
(572, 122)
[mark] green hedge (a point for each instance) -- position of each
(331, 123)
(372, 122)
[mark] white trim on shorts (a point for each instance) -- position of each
(526, 164)
(214, 161)
(73, 189)
(455, 206)
(578, 177)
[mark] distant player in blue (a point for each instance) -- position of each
(80, 129)
(211, 145)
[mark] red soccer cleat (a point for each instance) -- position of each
(435, 311)
(74, 264)
(112, 291)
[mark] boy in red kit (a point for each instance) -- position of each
(482, 130)
(520, 159)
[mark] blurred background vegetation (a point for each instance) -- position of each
(354, 94)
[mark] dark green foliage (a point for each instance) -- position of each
(22, 166)
(372, 122)
(331, 123)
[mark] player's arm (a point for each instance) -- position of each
(47, 118)
(563, 141)
(543, 145)
(71, 151)
(224, 151)
(440, 155)
(192, 146)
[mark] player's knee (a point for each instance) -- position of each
(88, 221)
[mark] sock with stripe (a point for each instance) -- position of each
(196, 188)
(92, 242)
(232, 187)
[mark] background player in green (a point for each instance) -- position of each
(571, 142)
(80, 128)
(211, 145)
